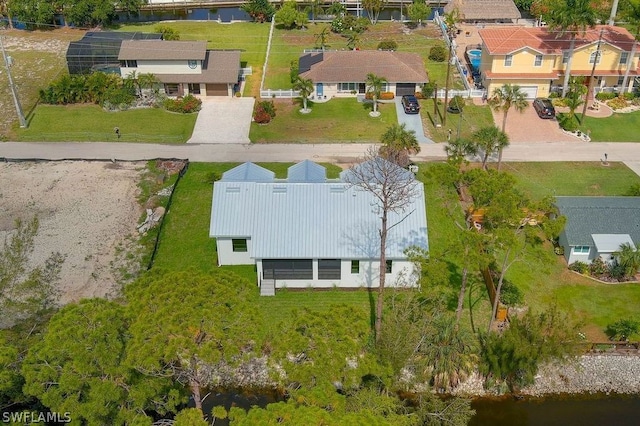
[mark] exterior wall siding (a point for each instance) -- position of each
(542, 85)
(226, 255)
(401, 275)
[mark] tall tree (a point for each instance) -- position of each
(26, 291)
(418, 11)
(628, 257)
(259, 10)
(393, 189)
(490, 140)
(503, 99)
(34, 13)
(374, 86)
(570, 18)
(304, 86)
(373, 8)
(214, 327)
(631, 13)
(398, 144)
(458, 150)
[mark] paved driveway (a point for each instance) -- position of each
(412, 121)
(528, 127)
(223, 120)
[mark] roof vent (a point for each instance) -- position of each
(337, 189)
(233, 189)
(280, 189)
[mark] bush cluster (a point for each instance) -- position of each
(568, 122)
(185, 105)
(428, 89)
(617, 103)
(605, 96)
(348, 24)
(264, 112)
(387, 45)
(438, 54)
(384, 96)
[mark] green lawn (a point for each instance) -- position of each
(248, 37)
(90, 123)
(473, 117)
(339, 120)
(617, 128)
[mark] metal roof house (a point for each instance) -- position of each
(597, 226)
(310, 231)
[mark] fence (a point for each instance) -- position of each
(279, 94)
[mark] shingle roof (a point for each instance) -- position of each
(354, 65)
(505, 40)
(599, 215)
(163, 50)
(471, 10)
(248, 172)
(312, 220)
(218, 67)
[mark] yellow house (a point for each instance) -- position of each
(536, 58)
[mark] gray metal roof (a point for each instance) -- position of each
(599, 215)
(306, 171)
(330, 220)
(248, 172)
(608, 243)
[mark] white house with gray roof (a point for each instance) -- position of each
(597, 226)
(310, 231)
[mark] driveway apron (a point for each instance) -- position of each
(412, 122)
(223, 120)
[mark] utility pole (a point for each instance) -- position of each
(12, 86)
(596, 59)
(614, 11)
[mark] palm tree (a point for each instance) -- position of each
(305, 87)
(502, 99)
(570, 18)
(631, 14)
(490, 139)
(398, 144)
(629, 258)
(374, 86)
(457, 151)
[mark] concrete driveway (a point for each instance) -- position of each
(223, 120)
(528, 127)
(412, 122)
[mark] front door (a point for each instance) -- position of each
(319, 90)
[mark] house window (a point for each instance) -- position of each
(620, 81)
(129, 64)
(329, 269)
(594, 57)
(171, 89)
(194, 88)
(347, 87)
(389, 266)
(239, 245)
(624, 57)
(508, 60)
(538, 61)
(355, 266)
(581, 250)
(565, 57)
(287, 269)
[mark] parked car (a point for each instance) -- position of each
(544, 108)
(410, 104)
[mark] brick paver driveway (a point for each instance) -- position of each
(528, 127)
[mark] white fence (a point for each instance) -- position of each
(279, 94)
(471, 93)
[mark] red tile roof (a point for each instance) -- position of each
(354, 65)
(522, 75)
(506, 40)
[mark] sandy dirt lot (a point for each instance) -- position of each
(88, 211)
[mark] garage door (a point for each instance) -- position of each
(405, 89)
(530, 92)
(217, 90)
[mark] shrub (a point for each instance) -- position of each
(568, 122)
(636, 101)
(559, 102)
(438, 54)
(622, 329)
(185, 105)
(617, 103)
(634, 190)
(616, 271)
(627, 96)
(117, 98)
(387, 45)
(510, 295)
(268, 107)
(456, 104)
(605, 96)
(293, 71)
(428, 89)
(580, 267)
(384, 96)
(260, 116)
(347, 24)
(167, 32)
(554, 95)
(598, 268)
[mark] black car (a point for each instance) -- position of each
(544, 108)
(410, 104)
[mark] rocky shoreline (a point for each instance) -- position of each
(588, 374)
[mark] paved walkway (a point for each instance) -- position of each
(223, 120)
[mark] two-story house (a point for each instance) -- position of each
(536, 58)
(182, 67)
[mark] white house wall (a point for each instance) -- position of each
(401, 276)
(226, 255)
